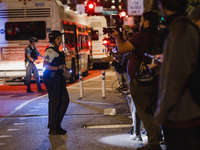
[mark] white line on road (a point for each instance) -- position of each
(13, 129)
(5, 136)
(111, 126)
(25, 103)
(42, 103)
(22, 105)
(34, 110)
(18, 124)
(91, 102)
(38, 106)
(89, 88)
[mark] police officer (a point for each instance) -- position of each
(31, 56)
(54, 63)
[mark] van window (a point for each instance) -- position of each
(25, 30)
(95, 35)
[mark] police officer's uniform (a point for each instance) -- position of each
(56, 87)
(31, 68)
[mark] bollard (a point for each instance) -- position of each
(103, 85)
(81, 83)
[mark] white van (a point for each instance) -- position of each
(98, 49)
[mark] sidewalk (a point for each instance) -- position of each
(103, 132)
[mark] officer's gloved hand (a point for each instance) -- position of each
(61, 67)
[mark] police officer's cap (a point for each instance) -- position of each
(54, 34)
(33, 39)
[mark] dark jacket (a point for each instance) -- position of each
(180, 57)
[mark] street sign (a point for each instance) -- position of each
(98, 9)
(110, 12)
(135, 7)
(80, 8)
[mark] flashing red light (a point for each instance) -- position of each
(89, 43)
(91, 6)
(122, 14)
(105, 42)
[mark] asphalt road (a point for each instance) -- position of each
(25, 127)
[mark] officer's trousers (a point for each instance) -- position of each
(58, 99)
(31, 68)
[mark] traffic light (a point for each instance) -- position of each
(122, 14)
(90, 8)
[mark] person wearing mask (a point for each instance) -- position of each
(177, 112)
(31, 56)
(54, 64)
(143, 96)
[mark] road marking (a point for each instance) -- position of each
(22, 105)
(34, 110)
(18, 124)
(23, 118)
(25, 103)
(42, 103)
(5, 136)
(89, 88)
(92, 102)
(110, 126)
(38, 106)
(28, 114)
(13, 129)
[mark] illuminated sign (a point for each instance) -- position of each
(135, 7)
